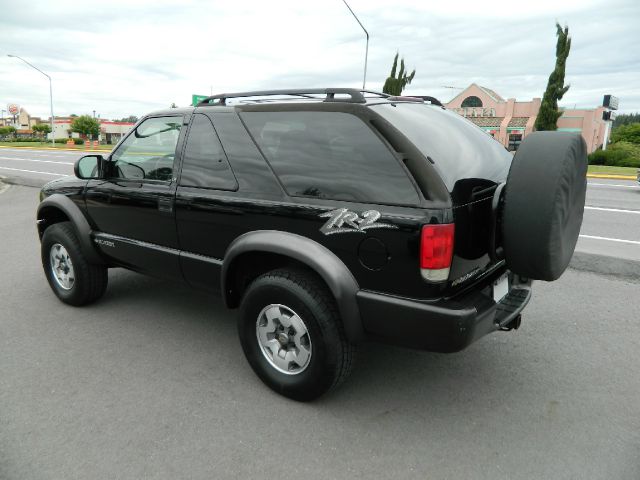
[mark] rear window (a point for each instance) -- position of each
(458, 148)
(330, 155)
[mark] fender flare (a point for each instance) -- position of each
(78, 220)
(320, 259)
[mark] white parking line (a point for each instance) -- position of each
(619, 240)
(618, 210)
(612, 185)
(32, 160)
(33, 171)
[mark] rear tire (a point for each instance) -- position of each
(544, 204)
(72, 278)
(298, 359)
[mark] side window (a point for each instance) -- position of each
(330, 155)
(204, 164)
(148, 153)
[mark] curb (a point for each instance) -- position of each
(613, 177)
(3, 185)
(22, 182)
(605, 265)
(57, 149)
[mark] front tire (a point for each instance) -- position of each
(292, 335)
(72, 278)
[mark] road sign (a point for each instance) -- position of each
(195, 99)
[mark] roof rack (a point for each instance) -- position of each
(433, 100)
(355, 95)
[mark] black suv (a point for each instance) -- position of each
(328, 217)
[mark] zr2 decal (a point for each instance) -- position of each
(342, 220)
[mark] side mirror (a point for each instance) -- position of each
(88, 167)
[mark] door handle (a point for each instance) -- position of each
(165, 205)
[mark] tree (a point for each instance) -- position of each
(129, 119)
(626, 133)
(9, 130)
(173, 105)
(42, 128)
(626, 118)
(85, 125)
(549, 113)
(394, 85)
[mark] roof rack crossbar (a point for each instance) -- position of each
(330, 95)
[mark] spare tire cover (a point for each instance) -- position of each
(544, 203)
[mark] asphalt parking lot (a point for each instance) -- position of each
(151, 383)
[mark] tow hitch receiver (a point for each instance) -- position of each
(513, 324)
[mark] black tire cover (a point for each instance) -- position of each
(544, 203)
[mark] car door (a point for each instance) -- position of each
(132, 206)
(206, 179)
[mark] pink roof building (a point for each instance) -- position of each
(509, 121)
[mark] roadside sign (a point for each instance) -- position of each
(610, 102)
(13, 109)
(195, 99)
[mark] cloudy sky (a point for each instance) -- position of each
(123, 58)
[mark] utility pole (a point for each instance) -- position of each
(53, 133)
(366, 53)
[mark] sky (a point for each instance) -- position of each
(124, 58)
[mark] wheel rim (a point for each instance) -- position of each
(62, 267)
(284, 339)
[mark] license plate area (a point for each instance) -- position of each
(500, 288)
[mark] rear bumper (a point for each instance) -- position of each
(442, 326)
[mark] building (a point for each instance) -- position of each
(22, 122)
(110, 132)
(509, 121)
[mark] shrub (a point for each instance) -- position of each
(621, 154)
(76, 141)
(626, 133)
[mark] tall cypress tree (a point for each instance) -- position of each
(549, 113)
(394, 85)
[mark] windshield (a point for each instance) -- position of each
(457, 147)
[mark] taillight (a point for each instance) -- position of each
(436, 251)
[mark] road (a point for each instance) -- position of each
(611, 223)
(37, 166)
(151, 383)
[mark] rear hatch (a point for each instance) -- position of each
(471, 164)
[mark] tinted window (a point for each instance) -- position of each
(458, 147)
(205, 164)
(330, 155)
(149, 151)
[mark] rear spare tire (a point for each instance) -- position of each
(544, 203)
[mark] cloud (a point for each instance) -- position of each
(123, 58)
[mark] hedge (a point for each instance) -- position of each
(620, 154)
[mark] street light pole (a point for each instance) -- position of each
(53, 136)
(366, 53)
